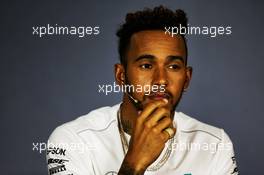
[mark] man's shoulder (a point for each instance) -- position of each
(192, 126)
(96, 120)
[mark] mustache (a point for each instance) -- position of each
(165, 94)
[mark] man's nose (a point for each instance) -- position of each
(160, 77)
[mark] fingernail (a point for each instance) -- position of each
(165, 100)
(139, 112)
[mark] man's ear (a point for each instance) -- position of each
(189, 71)
(119, 74)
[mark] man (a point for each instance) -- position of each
(144, 134)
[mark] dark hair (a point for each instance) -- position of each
(148, 19)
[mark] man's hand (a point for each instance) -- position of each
(148, 138)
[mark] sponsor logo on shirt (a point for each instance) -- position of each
(57, 169)
(58, 161)
(58, 151)
(234, 162)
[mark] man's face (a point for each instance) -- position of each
(154, 58)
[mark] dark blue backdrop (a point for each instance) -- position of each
(50, 80)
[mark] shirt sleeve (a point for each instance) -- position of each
(225, 159)
(67, 155)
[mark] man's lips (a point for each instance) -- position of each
(158, 96)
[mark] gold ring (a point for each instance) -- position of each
(170, 132)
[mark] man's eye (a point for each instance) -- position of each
(174, 66)
(146, 66)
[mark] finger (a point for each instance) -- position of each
(163, 124)
(157, 115)
(150, 108)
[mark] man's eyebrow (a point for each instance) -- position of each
(174, 57)
(152, 57)
(146, 56)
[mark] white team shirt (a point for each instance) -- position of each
(91, 145)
